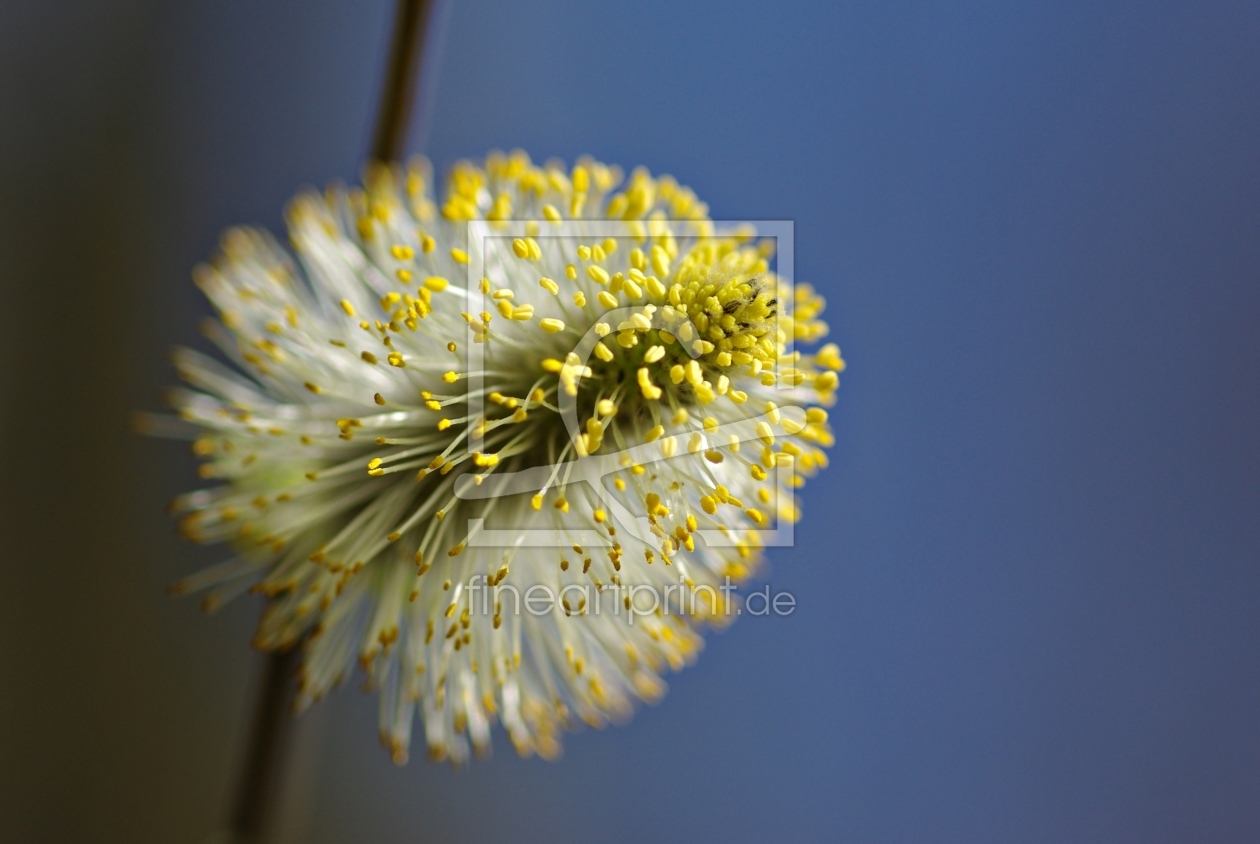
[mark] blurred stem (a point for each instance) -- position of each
(256, 803)
(399, 94)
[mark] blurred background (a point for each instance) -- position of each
(1027, 588)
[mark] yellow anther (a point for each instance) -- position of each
(523, 313)
(693, 374)
(792, 426)
(427, 244)
(436, 283)
(599, 275)
(660, 261)
(459, 256)
(536, 502)
(551, 326)
(378, 398)
(709, 504)
(368, 356)
(600, 516)
(653, 354)
(549, 285)
(551, 213)
(653, 434)
(829, 357)
(396, 359)
(314, 388)
(650, 390)
(347, 307)
(552, 365)
(520, 248)
(607, 299)
(450, 377)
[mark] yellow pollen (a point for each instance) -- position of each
(650, 391)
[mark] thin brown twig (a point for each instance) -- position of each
(256, 799)
(399, 95)
(256, 802)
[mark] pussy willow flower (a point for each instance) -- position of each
(380, 394)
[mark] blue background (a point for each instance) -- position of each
(1027, 587)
